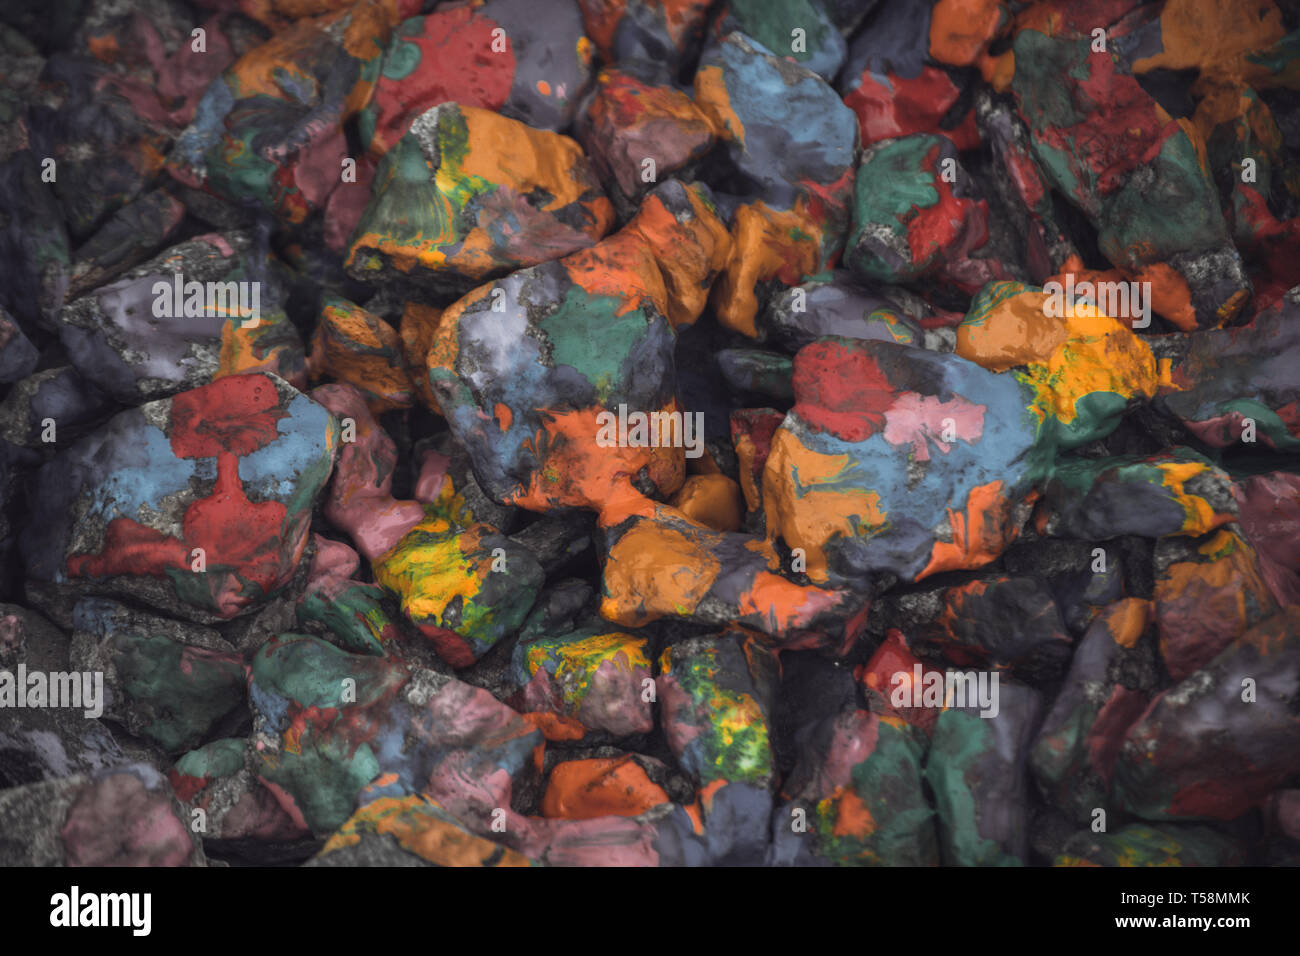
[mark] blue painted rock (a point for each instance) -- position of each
(51, 404)
(901, 460)
(793, 144)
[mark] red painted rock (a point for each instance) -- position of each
(198, 504)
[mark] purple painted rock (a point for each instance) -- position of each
(1238, 386)
(637, 132)
(124, 816)
(1207, 592)
(1073, 756)
(798, 316)
(667, 32)
(1174, 492)
(1001, 622)
(1222, 740)
(51, 405)
(1270, 520)
(205, 308)
(198, 505)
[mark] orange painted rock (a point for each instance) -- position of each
(351, 345)
(468, 194)
(584, 789)
(712, 500)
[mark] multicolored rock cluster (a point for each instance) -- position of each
(650, 432)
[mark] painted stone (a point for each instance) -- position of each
(659, 563)
(857, 797)
(597, 678)
(1139, 844)
(1208, 591)
(498, 56)
(794, 144)
(917, 213)
(226, 799)
(268, 133)
(1270, 520)
(198, 504)
(1219, 742)
(328, 723)
(598, 787)
(977, 769)
(466, 195)
(1176, 492)
(901, 460)
(1074, 752)
(1217, 380)
(354, 346)
(637, 133)
(148, 335)
(799, 30)
(1133, 171)
(123, 816)
(658, 31)
(170, 683)
(715, 695)
(345, 610)
(798, 316)
(426, 834)
(1086, 368)
(894, 90)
